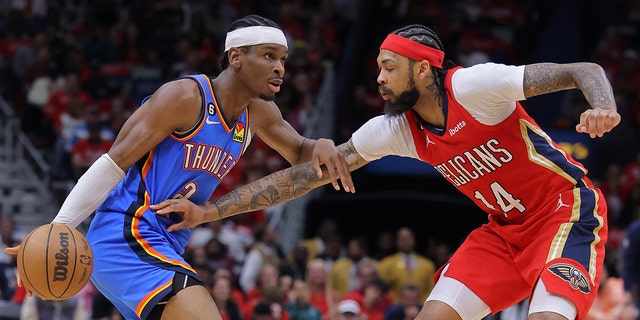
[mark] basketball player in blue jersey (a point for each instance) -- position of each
(180, 143)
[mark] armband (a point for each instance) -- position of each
(89, 193)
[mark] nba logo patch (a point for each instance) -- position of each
(577, 280)
(238, 132)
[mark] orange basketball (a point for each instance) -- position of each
(55, 261)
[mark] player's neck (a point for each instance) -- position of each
(231, 95)
(429, 108)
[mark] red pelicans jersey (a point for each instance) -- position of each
(547, 221)
(506, 168)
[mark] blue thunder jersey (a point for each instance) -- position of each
(189, 164)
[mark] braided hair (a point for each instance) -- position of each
(425, 36)
(251, 20)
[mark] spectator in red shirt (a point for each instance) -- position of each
(86, 151)
(374, 299)
(58, 103)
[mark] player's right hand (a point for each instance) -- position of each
(598, 121)
(326, 153)
(14, 251)
(191, 213)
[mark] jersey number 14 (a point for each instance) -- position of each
(503, 198)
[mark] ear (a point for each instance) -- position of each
(424, 69)
(234, 55)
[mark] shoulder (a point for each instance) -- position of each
(186, 83)
(386, 128)
(488, 83)
(487, 67)
(180, 90)
(262, 112)
(486, 73)
(386, 123)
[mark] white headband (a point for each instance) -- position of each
(250, 36)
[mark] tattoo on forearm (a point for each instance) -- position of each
(596, 88)
(277, 187)
(544, 78)
(280, 186)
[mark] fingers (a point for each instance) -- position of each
(20, 284)
(315, 162)
(160, 206)
(344, 174)
(345, 177)
(332, 174)
(177, 226)
(180, 207)
(167, 207)
(12, 250)
(338, 170)
(597, 122)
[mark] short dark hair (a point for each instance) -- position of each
(251, 20)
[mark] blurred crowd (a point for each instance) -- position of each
(74, 70)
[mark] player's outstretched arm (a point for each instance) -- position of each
(267, 121)
(278, 187)
(590, 78)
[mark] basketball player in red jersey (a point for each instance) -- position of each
(547, 223)
(180, 143)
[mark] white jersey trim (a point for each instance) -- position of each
(384, 135)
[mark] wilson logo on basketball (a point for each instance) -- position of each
(62, 258)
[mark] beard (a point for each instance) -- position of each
(405, 101)
(266, 97)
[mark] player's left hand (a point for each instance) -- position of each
(191, 213)
(325, 152)
(14, 251)
(597, 121)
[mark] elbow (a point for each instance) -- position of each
(592, 67)
(580, 73)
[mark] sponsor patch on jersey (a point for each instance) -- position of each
(238, 132)
(211, 109)
(577, 280)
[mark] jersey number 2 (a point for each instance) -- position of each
(189, 190)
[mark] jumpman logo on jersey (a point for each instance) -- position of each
(561, 204)
(429, 141)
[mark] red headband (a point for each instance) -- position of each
(413, 50)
